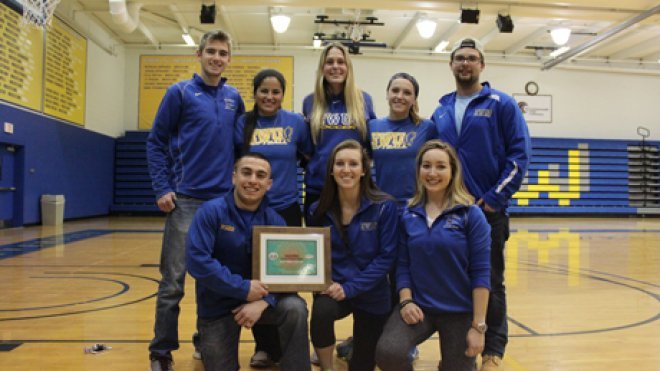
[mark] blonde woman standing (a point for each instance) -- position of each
(336, 111)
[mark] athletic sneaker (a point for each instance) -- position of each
(197, 354)
(261, 359)
(345, 349)
(414, 354)
(161, 363)
(315, 359)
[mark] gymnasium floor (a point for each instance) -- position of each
(584, 294)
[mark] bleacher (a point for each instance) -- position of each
(565, 176)
(590, 176)
(132, 190)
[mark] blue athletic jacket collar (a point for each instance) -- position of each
(229, 197)
(364, 204)
(421, 210)
(200, 82)
(450, 99)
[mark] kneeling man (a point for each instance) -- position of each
(219, 257)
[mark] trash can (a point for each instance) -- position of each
(52, 209)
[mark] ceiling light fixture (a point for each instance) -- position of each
(426, 28)
(280, 22)
(560, 51)
(441, 46)
(188, 39)
(504, 23)
(560, 35)
(317, 41)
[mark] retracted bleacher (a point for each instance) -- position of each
(565, 176)
(132, 191)
(132, 188)
(590, 176)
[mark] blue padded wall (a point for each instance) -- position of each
(60, 158)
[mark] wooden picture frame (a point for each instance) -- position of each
(292, 259)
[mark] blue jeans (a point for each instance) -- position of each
(220, 336)
(497, 335)
(173, 272)
(392, 352)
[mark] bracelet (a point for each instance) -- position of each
(405, 302)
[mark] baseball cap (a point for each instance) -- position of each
(468, 42)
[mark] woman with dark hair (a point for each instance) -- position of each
(363, 223)
(283, 138)
(395, 139)
(337, 110)
(443, 268)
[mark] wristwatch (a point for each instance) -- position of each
(482, 327)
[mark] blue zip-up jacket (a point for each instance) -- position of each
(190, 148)
(283, 139)
(360, 263)
(493, 146)
(335, 129)
(219, 254)
(394, 145)
(444, 263)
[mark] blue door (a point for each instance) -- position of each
(7, 184)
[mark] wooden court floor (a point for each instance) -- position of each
(584, 294)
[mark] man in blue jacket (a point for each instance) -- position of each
(488, 131)
(190, 153)
(219, 257)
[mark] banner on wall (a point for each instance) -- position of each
(158, 72)
(536, 108)
(21, 56)
(65, 77)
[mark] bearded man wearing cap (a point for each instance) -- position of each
(490, 135)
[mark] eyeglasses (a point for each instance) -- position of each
(462, 59)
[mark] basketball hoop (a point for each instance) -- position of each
(39, 12)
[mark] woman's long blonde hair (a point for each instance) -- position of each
(456, 193)
(352, 96)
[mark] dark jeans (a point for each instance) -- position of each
(367, 328)
(173, 272)
(265, 336)
(497, 335)
(220, 336)
(393, 350)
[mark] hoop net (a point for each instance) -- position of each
(39, 12)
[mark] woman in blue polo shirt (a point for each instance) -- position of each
(337, 110)
(363, 224)
(282, 137)
(443, 268)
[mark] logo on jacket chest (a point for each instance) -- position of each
(392, 140)
(453, 222)
(227, 227)
(272, 136)
(230, 104)
(483, 112)
(368, 226)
